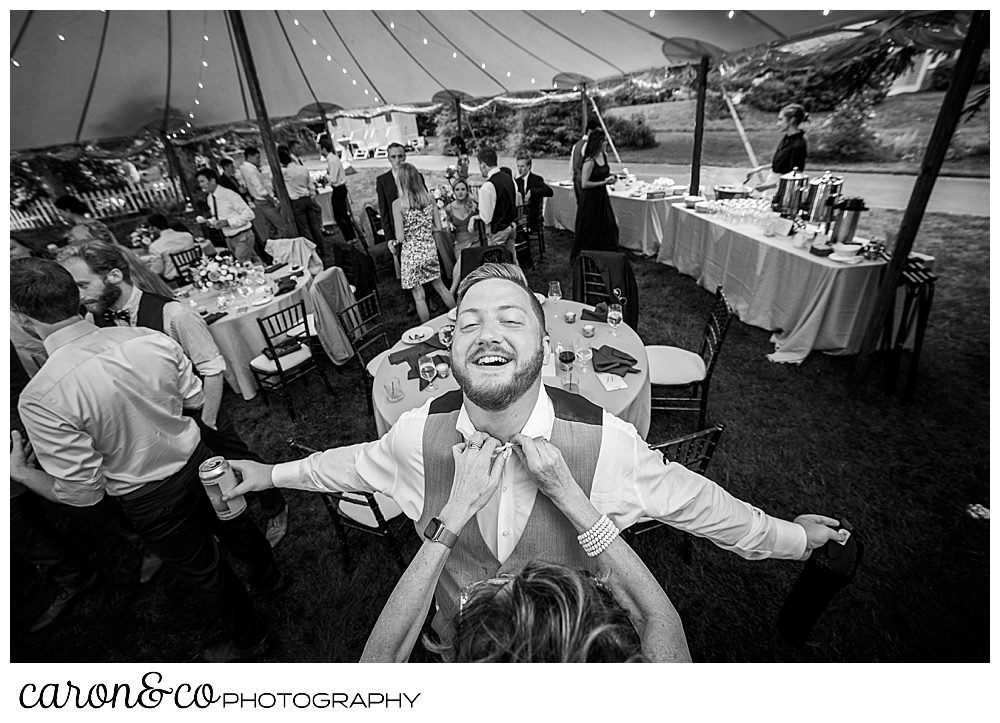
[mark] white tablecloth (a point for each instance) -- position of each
(632, 404)
(641, 223)
(810, 302)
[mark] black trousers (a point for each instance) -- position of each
(36, 540)
(338, 201)
(177, 522)
(226, 441)
(309, 222)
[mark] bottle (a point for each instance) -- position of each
(218, 478)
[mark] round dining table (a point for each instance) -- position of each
(631, 404)
(237, 333)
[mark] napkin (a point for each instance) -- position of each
(414, 372)
(600, 313)
(615, 361)
(611, 382)
(412, 353)
(214, 317)
(282, 290)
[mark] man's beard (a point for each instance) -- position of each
(497, 396)
(106, 299)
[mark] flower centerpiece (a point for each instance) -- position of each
(142, 237)
(218, 273)
(443, 195)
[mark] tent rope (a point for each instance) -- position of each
(513, 42)
(20, 33)
(93, 79)
(406, 50)
(236, 65)
(170, 68)
(301, 70)
(462, 52)
(378, 93)
(570, 40)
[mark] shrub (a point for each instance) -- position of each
(845, 134)
(942, 74)
(631, 132)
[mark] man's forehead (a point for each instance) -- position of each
(494, 293)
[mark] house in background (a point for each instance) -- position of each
(918, 78)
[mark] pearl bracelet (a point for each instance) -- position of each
(597, 539)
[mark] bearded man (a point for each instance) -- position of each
(498, 351)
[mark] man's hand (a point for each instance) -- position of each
(22, 458)
(253, 476)
(546, 465)
(819, 530)
(477, 476)
(527, 195)
(218, 223)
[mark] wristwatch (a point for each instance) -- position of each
(437, 532)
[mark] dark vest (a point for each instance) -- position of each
(506, 207)
(150, 314)
(548, 535)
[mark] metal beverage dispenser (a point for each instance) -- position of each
(788, 198)
(823, 193)
(846, 213)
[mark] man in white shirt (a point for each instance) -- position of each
(168, 242)
(300, 190)
(497, 202)
(230, 213)
(498, 351)
(268, 221)
(338, 196)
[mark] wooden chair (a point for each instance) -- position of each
(694, 452)
(280, 371)
(594, 289)
(363, 324)
(184, 260)
(359, 511)
(525, 224)
(670, 366)
(476, 256)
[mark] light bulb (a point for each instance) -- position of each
(354, 82)
(204, 63)
(206, 38)
(425, 41)
(392, 25)
(652, 13)
(731, 14)
(296, 22)
(484, 66)
(201, 85)
(532, 80)
(191, 115)
(508, 73)
(454, 55)
(197, 102)
(62, 37)
(314, 41)
(328, 58)
(16, 64)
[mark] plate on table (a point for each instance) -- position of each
(844, 259)
(260, 301)
(417, 334)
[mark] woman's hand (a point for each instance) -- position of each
(22, 458)
(546, 465)
(477, 476)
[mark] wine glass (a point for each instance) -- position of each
(555, 294)
(427, 370)
(614, 317)
(584, 355)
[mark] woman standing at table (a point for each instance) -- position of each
(75, 212)
(460, 212)
(416, 214)
(792, 149)
(596, 227)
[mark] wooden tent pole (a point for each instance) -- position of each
(937, 147)
(458, 114)
(699, 127)
(174, 165)
(583, 105)
(257, 98)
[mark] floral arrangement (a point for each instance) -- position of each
(443, 195)
(219, 273)
(142, 237)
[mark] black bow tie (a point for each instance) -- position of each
(112, 316)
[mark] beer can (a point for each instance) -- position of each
(218, 478)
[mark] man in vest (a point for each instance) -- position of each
(498, 351)
(497, 202)
(106, 290)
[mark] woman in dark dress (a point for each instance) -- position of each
(792, 149)
(596, 228)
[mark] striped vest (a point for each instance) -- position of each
(547, 535)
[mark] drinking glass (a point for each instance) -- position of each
(614, 317)
(584, 355)
(427, 370)
(222, 301)
(393, 389)
(555, 294)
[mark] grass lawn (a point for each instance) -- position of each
(905, 121)
(798, 439)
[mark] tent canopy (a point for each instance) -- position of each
(83, 75)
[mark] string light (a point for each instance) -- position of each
(296, 21)
(187, 124)
(314, 41)
(392, 25)
(454, 55)
(63, 38)
(826, 12)
(200, 84)
(329, 59)
(191, 115)
(354, 82)
(508, 73)
(731, 14)
(652, 13)
(16, 64)
(204, 63)
(197, 102)
(484, 66)
(532, 80)
(366, 91)
(425, 41)
(345, 70)
(206, 38)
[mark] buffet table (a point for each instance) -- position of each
(237, 334)
(642, 223)
(631, 404)
(810, 302)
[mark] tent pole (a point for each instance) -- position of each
(699, 127)
(174, 165)
(267, 135)
(937, 147)
(583, 105)
(458, 114)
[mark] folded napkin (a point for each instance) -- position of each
(214, 317)
(282, 290)
(600, 313)
(615, 361)
(274, 267)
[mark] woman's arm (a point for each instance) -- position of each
(397, 218)
(477, 476)
(633, 585)
(588, 169)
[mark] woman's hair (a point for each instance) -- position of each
(72, 204)
(795, 112)
(412, 193)
(594, 141)
(545, 614)
(469, 204)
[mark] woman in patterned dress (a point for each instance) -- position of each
(415, 212)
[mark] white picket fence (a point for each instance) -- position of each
(134, 198)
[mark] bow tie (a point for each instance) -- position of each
(112, 316)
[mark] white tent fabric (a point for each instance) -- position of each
(67, 85)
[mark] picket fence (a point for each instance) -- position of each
(134, 198)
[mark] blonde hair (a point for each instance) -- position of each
(412, 193)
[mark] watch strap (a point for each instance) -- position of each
(437, 532)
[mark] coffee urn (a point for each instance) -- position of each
(791, 189)
(846, 213)
(823, 193)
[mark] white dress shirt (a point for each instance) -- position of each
(488, 199)
(297, 181)
(253, 179)
(231, 208)
(631, 481)
(105, 411)
(168, 242)
(335, 170)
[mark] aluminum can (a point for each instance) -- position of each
(218, 478)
